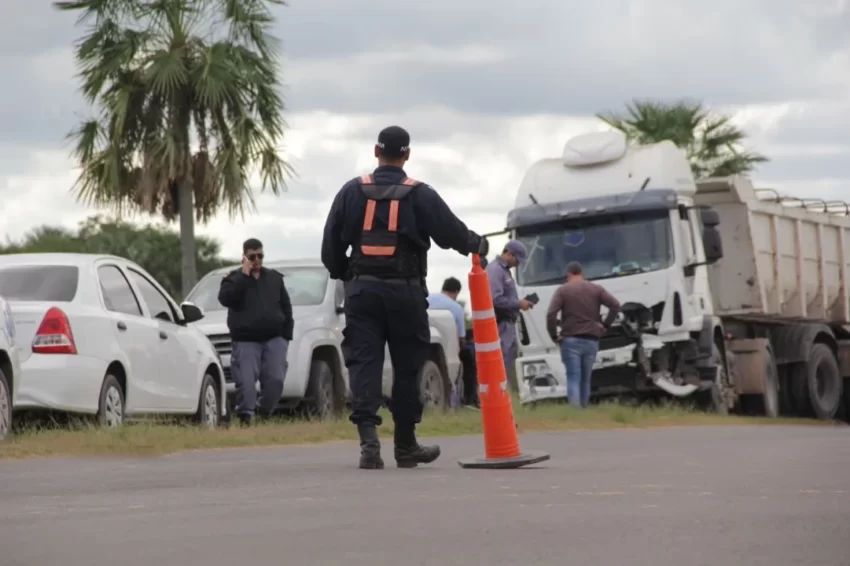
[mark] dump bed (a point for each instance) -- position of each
(784, 258)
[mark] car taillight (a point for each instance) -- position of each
(54, 334)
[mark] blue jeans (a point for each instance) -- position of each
(578, 355)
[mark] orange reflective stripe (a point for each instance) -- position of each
(377, 250)
(392, 225)
(370, 215)
(366, 180)
(409, 182)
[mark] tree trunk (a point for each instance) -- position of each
(189, 271)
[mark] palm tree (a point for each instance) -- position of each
(188, 109)
(711, 142)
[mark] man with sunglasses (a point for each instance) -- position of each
(259, 317)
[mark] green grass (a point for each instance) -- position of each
(147, 439)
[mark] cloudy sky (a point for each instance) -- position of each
(485, 88)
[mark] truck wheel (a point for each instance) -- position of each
(323, 403)
(431, 383)
(714, 399)
(766, 404)
(818, 384)
(5, 406)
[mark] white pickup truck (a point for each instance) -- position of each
(317, 378)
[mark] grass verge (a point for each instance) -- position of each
(147, 439)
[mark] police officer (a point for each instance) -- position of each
(506, 302)
(388, 221)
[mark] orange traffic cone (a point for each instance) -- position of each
(501, 446)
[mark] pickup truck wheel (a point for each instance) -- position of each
(818, 384)
(110, 412)
(5, 406)
(321, 391)
(431, 384)
(208, 414)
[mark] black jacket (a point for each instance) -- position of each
(257, 309)
(430, 218)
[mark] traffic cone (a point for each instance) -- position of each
(501, 445)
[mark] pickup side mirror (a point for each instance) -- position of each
(340, 309)
(191, 312)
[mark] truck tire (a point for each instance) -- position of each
(432, 386)
(5, 407)
(766, 404)
(818, 385)
(323, 402)
(713, 400)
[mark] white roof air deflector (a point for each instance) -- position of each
(595, 148)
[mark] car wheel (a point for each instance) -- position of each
(323, 403)
(209, 414)
(5, 406)
(432, 390)
(110, 412)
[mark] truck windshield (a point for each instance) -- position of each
(305, 285)
(606, 246)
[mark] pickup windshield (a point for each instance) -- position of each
(305, 285)
(606, 246)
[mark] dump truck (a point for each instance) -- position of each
(732, 295)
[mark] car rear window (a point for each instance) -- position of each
(56, 283)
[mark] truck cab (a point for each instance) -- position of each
(627, 214)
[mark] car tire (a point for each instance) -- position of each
(5, 407)
(323, 401)
(432, 389)
(110, 411)
(209, 413)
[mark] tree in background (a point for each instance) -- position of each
(711, 142)
(188, 109)
(155, 248)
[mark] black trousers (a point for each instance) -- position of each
(379, 314)
(470, 377)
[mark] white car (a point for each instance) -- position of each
(10, 369)
(96, 334)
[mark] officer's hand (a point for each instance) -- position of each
(525, 305)
(483, 247)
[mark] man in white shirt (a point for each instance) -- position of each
(447, 300)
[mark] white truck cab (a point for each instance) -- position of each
(627, 214)
(317, 377)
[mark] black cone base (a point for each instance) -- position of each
(504, 463)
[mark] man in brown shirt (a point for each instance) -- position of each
(578, 302)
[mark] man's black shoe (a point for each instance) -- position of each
(370, 448)
(408, 452)
(245, 419)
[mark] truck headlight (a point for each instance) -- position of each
(532, 370)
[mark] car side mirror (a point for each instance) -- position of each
(191, 313)
(340, 309)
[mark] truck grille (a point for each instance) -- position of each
(616, 337)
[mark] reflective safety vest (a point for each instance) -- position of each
(380, 252)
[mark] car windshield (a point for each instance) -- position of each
(53, 283)
(305, 285)
(606, 246)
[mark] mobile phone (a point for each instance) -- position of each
(532, 298)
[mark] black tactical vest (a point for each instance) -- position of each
(380, 252)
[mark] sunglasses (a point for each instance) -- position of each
(253, 257)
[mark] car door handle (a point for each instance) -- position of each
(122, 326)
(163, 335)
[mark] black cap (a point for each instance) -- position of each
(393, 141)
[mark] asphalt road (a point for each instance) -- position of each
(679, 497)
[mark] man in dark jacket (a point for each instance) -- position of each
(259, 316)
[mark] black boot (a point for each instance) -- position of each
(370, 448)
(408, 452)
